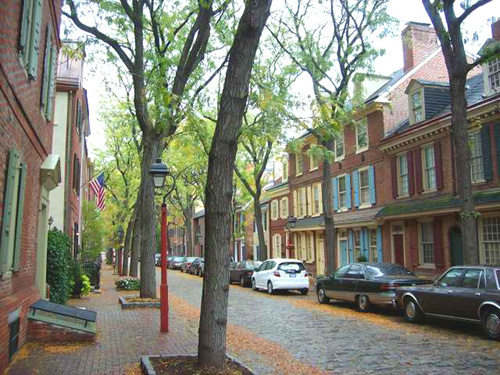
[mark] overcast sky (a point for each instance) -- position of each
(404, 10)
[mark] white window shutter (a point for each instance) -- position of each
(320, 187)
(309, 201)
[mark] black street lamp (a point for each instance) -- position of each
(290, 224)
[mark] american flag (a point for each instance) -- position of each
(97, 185)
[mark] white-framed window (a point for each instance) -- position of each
(494, 75)
(313, 162)
(317, 199)
(417, 110)
(364, 187)
(357, 245)
(277, 246)
(342, 192)
(476, 157)
(274, 210)
(429, 166)
(309, 246)
(298, 164)
(284, 165)
(339, 146)
(403, 178)
(284, 208)
(361, 136)
(491, 239)
(302, 202)
(427, 243)
(373, 246)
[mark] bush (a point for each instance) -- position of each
(362, 258)
(128, 283)
(85, 285)
(76, 278)
(58, 265)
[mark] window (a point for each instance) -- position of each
(317, 200)
(355, 272)
(313, 162)
(416, 104)
(284, 208)
(429, 168)
(342, 192)
(476, 160)
(403, 178)
(427, 243)
(302, 202)
(491, 240)
(309, 247)
(373, 246)
(364, 187)
(285, 171)
(357, 245)
(361, 136)
(339, 147)
(298, 164)
(274, 210)
(341, 272)
(29, 41)
(494, 75)
(277, 246)
(472, 278)
(451, 278)
(13, 209)
(264, 220)
(76, 175)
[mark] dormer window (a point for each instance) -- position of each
(417, 111)
(494, 75)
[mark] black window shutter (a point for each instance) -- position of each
(486, 148)
(497, 145)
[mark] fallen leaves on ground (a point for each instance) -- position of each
(64, 348)
(139, 299)
(133, 369)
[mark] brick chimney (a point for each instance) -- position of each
(419, 40)
(495, 30)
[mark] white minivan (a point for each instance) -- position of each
(286, 274)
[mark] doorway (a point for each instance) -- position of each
(398, 244)
(456, 247)
(320, 248)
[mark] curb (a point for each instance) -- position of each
(133, 305)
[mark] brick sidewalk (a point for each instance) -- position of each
(123, 337)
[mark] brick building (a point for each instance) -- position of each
(28, 56)
(198, 234)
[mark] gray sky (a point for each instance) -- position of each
(404, 10)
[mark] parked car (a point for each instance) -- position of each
(287, 274)
(194, 268)
(187, 262)
(242, 272)
(201, 268)
(158, 260)
(169, 259)
(464, 293)
(176, 262)
(366, 284)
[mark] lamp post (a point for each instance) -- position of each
(51, 221)
(159, 172)
(120, 250)
(290, 224)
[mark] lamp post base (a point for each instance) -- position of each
(163, 307)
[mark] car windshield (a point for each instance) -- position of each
(291, 266)
(179, 259)
(387, 270)
(498, 276)
(190, 259)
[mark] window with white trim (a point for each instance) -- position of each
(277, 246)
(313, 162)
(361, 136)
(429, 166)
(342, 192)
(309, 247)
(403, 178)
(494, 75)
(417, 110)
(491, 240)
(476, 157)
(284, 208)
(274, 210)
(298, 164)
(427, 243)
(285, 171)
(316, 199)
(364, 187)
(302, 202)
(339, 146)
(373, 246)
(357, 245)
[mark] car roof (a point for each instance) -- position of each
(284, 260)
(495, 266)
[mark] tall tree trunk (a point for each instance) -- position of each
(219, 190)
(147, 215)
(262, 253)
(188, 216)
(330, 235)
(460, 138)
(135, 249)
(126, 248)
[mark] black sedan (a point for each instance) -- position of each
(242, 272)
(194, 268)
(466, 293)
(366, 284)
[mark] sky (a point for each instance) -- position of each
(403, 10)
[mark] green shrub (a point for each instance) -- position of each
(128, 283)
(76, 278)
(362, 258)
(58, 265)
(85, 285)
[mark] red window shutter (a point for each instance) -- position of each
(418, 169)
(411, 172)
(413, 226)
(439, 165)
(394, 170)
(438, 243)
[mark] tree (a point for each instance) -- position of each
(330, 51)
(92, 233)
(161, 45)
(213, 317)
(457, 65)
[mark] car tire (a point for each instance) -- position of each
(412, 311)
(254, 286)
(490, 320)
(270, 288)
(364, 303)
(304, 291)
(322, 298)
(242, 282)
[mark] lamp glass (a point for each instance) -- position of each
(159, 180)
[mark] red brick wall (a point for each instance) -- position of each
(22, 126)
(41, 331)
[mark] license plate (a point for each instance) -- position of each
(293, 275)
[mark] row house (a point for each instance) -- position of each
(29, 171)
(199, 234)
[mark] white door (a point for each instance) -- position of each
(258, 275)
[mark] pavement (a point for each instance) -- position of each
(284, 333)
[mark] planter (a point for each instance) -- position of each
(136, 304)
(186, 364)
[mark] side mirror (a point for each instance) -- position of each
(256, 270)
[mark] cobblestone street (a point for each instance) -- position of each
(279, 334)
